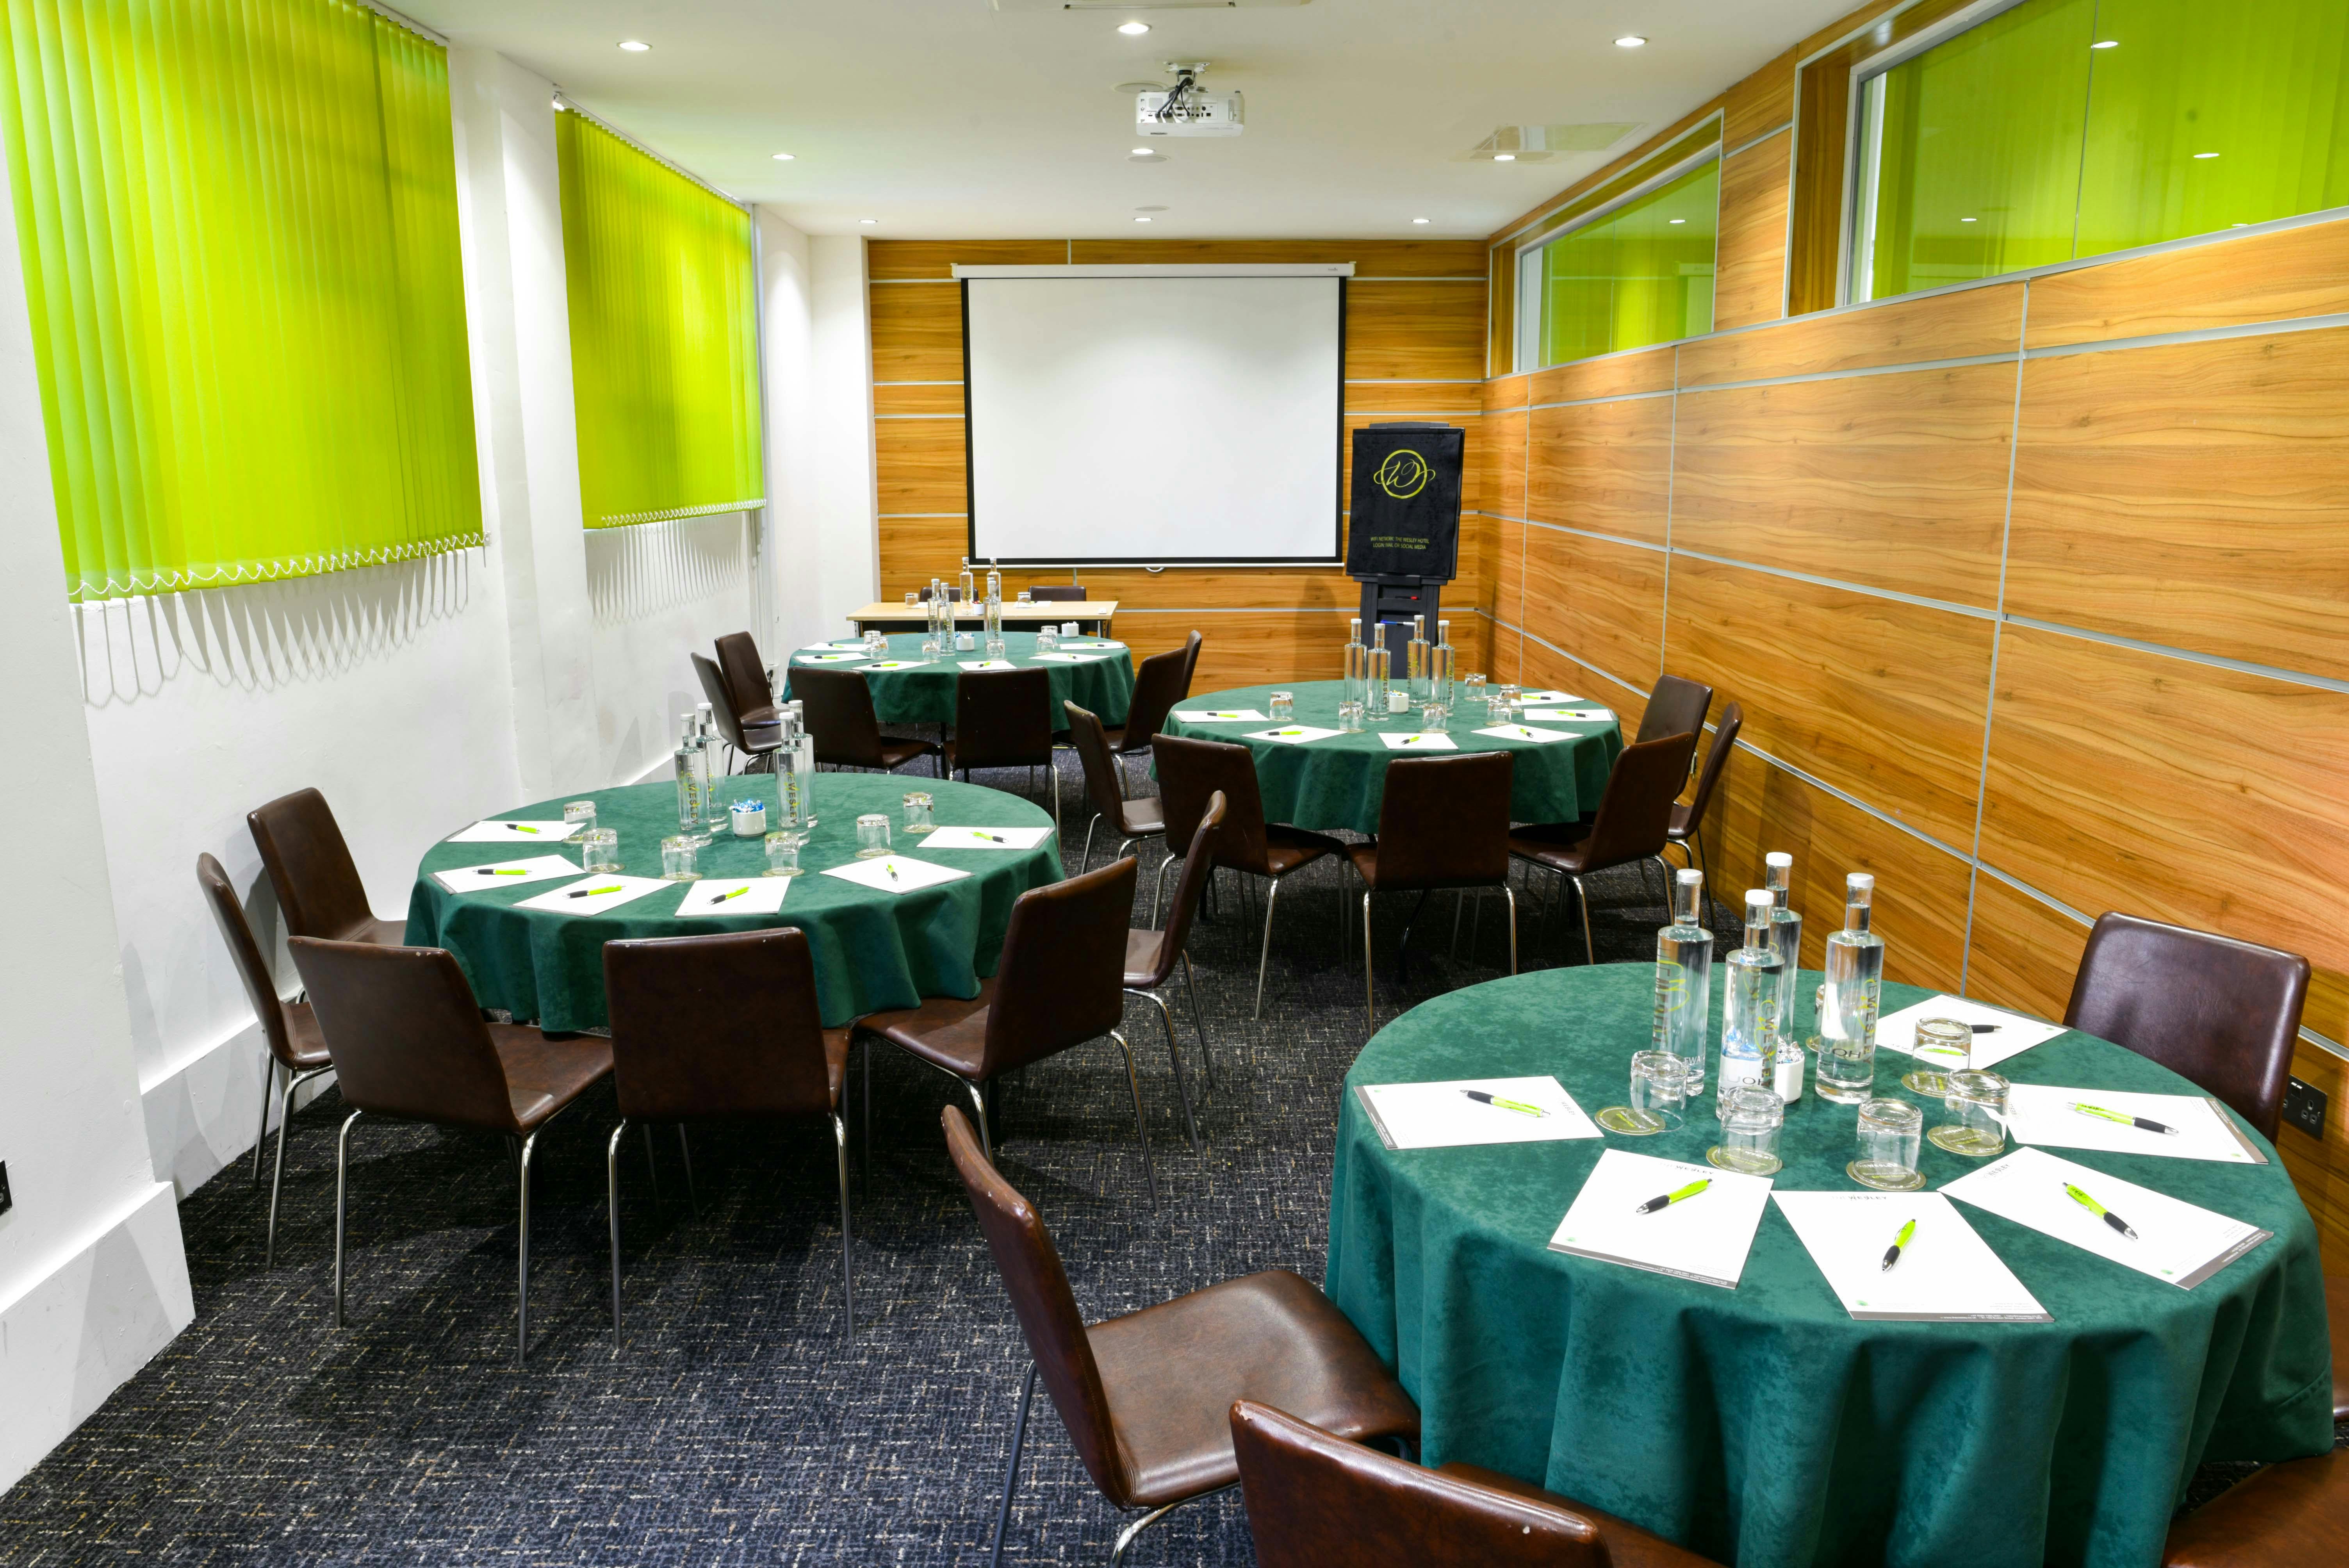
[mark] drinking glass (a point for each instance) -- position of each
(1283, 707)
(1751, 1117)
(1944, 1046)
(1350, 716)
(994, 647)
(599, 850)
(1434, 715)
(917, 811)
(582, 813)
(1047, 640)
(1472, 693)
(1847, 1069)
(1977, 1106)
(872, 836)
(1023, 597)
(875, 644)
(1508, 705)
(783, 854)
(1659, 1091)
(678, 855)
(1888, 1136)
(912, 598)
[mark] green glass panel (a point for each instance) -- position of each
(1643, 274)
(2262, 84)
(1971, 152)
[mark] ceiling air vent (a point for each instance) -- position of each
(1537, 143)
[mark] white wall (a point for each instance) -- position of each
(660, 590)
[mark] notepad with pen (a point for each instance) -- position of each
(1464, 1111)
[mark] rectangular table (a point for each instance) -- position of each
(1091, 615)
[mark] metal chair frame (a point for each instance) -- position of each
(270, 1069)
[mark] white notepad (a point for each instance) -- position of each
(1523, 732)
(829, 647)
(2176, 1241)
(985, 663)
(1574, 715)
(514, 831)
(2015, 1034)
(1545, 695)
(827, 658)
(735, 895)
(1097, 647)
(501, 873)
(1705, 1238)
(1442, 1115)
(1419, 740)
(1947, 1273)
(2042, 1113)
(1056, 658)
(1219, 716)
(898, 665)
(593, 898)
(942, 838)
(1291, 734)
(893, 873)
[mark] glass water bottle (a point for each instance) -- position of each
(968, 583)
(692, 775)
(1749, 1014)
(1375, 683)
(1356, 669)
(1445, 668)
(1415, 661)
(1855, 972)
(1685, 980)
(1787, 937)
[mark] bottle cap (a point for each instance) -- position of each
(1758, 898)
(1859, 882)
(1689, 878)
(1778, 858)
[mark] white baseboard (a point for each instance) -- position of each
(201, 1113)
(78, 1333)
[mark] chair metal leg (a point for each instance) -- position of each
(342, 1186)
(1054, 769)
(269, 1069)
(865, 1050)
(277, 1179)
(986, 1138)
(1459, 903)
(522, 1259)
(652, 1163)
(692, 1196)
(1087, 858)
(1476, 925)
(1012, 1471)
(1157, 885)
(1132, 1532)
(1369, 1000)
(612, 1202)
(1511, 893)
(1174, 1055)
(1206, 1057)
(1263, 953)
(1582, 897)
(1134, 1081)
(847, 1268)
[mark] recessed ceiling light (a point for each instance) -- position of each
(868, 221)
(2204, 156)
(1142, 218)
(635, 46)
(1631, 41)
(1965, 219)
(1505, 158)
(785, 156)
(1146, 152)
(1133, 29)
(1419, 220)
(2106, 44)
(1676, 219)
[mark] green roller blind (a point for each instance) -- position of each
(238, 220)
(1643, 274)
(2066, 129)
(664, 335)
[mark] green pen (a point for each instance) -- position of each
(1892, 1252)
(1495, 1100)
(591, 891)
(1288, 732)
(991, 838)
(520, 828)
(1669, 1198)
(494, 872)
(2100, 1212)
(890, 869)
(722, 897)
(2099, 1112)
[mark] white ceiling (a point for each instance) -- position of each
(947, 118)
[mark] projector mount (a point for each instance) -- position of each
(1182, 106)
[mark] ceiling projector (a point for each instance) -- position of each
(1184, 110)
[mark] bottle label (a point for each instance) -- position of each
(1738, 1070)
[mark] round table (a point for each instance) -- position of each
(1762, 1425)
(1338, 780)
(872, 949)
(924, 694)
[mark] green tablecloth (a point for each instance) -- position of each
(1102, 684)
(1339, 780)
(873, 950)
(1764, 1426)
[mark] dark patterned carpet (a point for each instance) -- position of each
(736, 1425)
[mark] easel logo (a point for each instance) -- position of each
(1402, 475)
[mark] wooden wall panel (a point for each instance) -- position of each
(1750, 277)
(1504, 660)
(1542, 666)
(1419, 330)
(1960, 325)
(1760, 103)
(1507, 392)
(2320, 1169)
(896, 259)
(1213, 588)
(1509, 572)
(920, 464)
(1504, 474)
(2221, 464)
(1372, 258)
(1605, 376)
(2022, 953)
(1605, 468)
(1602, 602)
(1415, 399)
(915, 548)
(916, 332)
(2277, 276)
(916, 398)
(1242, 647)
(1893, 480)
(1880, 698)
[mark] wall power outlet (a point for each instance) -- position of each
(2303, 1107)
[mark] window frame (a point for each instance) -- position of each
(1527, 322)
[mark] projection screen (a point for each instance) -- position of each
(1155, 416)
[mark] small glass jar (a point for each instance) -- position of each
(1507, 703)
(872, 836)
(1888, 1137)
(1751, 1117)
(1434, 715)
(1977, 1109)
(1471, 694)
(917, 811)
(599, 850)
(995, 648)
(581, 815)
(1943, 1045)
(678, 855)
(1024, 599)
(1349, 718)
(1659, 1093)
(1282, 707)
(1047, 640)
(783, 854)
(912, 598)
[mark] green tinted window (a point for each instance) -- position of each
(1641, 275)
(2065, 128)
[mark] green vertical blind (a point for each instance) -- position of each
(1641, 274)
(238, 223)
(2065, 128)
(664, 335)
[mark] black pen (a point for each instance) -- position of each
(991, 838)
(1481, 1098)
(2101, 1114)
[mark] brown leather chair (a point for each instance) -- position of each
(1317, 1501)
(722, 1028)
(1105, 788)
(756, 748)
(1164, 680)
(1146, 1398)
(953, 591)
(746, 679)
(1190, 773)
(1060, 983)
(298, 1051)
(1150, 956)
(2222, 1013)
(408, 1044)
(319, 887)
(1443, 822)
(2336, 1312)
(1633, 814)
(1003, 719)
(1056, 593)
(1687, 829)
(1675, 706)
(838, 708)
(2290, 1515)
